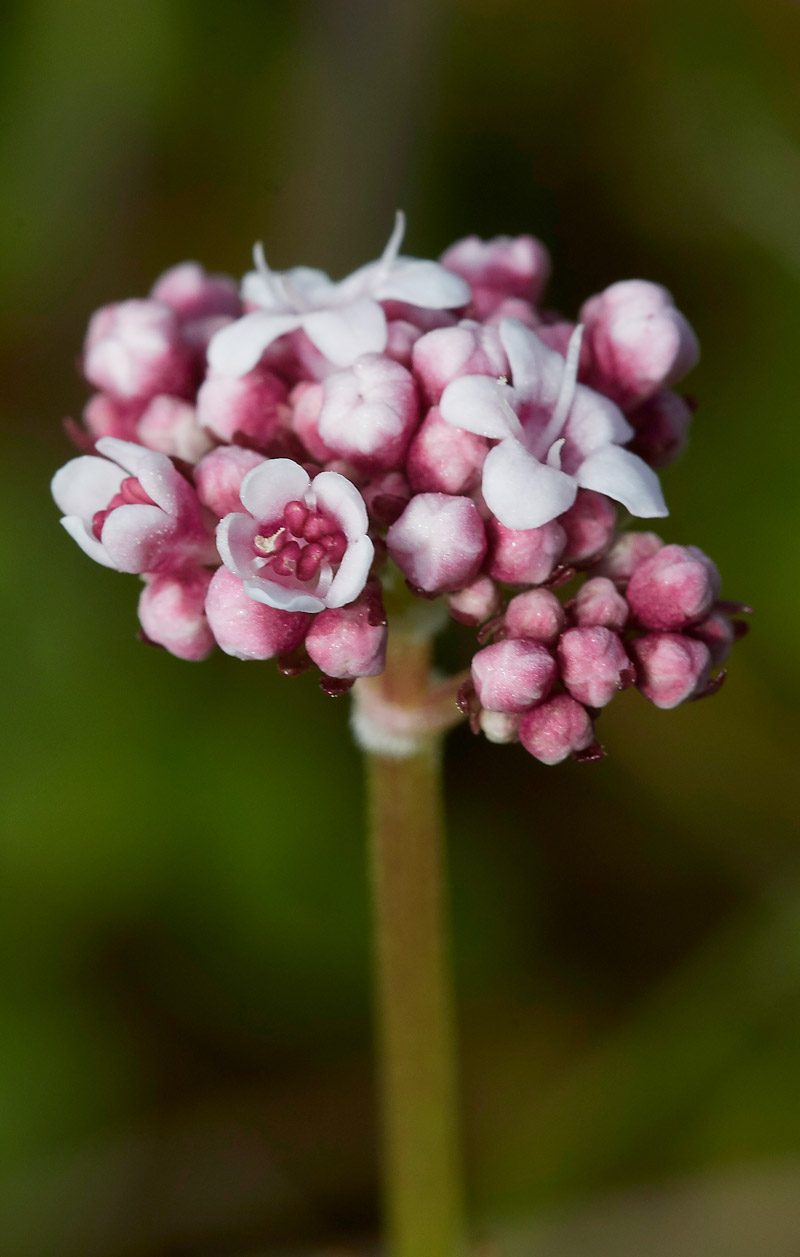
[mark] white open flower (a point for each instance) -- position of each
(303, 544)
(555, 435)
(344, 318)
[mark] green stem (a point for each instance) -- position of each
(422, 1170)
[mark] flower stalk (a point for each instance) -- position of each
(422, 1180)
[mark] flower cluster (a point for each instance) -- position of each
(272, 457)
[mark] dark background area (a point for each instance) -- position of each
(185, 1059)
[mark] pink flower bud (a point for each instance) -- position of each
(507, 265)
(536, 614)
(512, 675)
(194, 294)
(218, 477)
(662, 428)
(599, 603)
(306, 403)
(386, 497)
(444, 459)
(485, 299)
(475, 603)
(589, 524)
(369, 412)
(170, 426)
(250, 406)
(401, 337)
(718, 633)
(172, 613)
(524, 556)
(639, 341)
(108, 416)
(248, 629)
(500, 727)
(439, 542)
(627, 552)
(349, 642)
(674, 588)
(134, 350)
(558, 728)
(594, 665)
(444, 355)
(670, 667)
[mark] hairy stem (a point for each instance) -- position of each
(422, 1171)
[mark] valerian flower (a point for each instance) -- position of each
(132, 510)
(344, 318)
(303, 544)
(555, 435)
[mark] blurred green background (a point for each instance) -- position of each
(185, 1062)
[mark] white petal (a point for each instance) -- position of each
(76, 528)
(340, 496)
(235, 534)
(135, 537)
(85, 485)
(237, 348)
(352, 574)
(522, 492)
(421, 283)
(536, 370)
(626, 478)
(595, 420)
(281, 597)
(267, 488)
(315, 285)
(477, 404)
(126, 453)
(345, 332)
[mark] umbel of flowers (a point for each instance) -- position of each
(275, 459)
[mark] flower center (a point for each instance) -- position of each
(300, 544)
(130, 493)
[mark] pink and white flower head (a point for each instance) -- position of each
(555, 436)
(303, 544)
(134, 349)
(344, 319)
(335, 437)
(132, 510)
(639, 341)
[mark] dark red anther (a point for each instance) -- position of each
(148, 641)
(133, 494)
(309, 562)
(316, 526)
(740, 629)
(295, 516)
(334, 687)
(591, 755)
(285, 563)
(98, 519)
(422, 593)
(334, 545)
(716, 683)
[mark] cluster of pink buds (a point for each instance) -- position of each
(271, 458)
